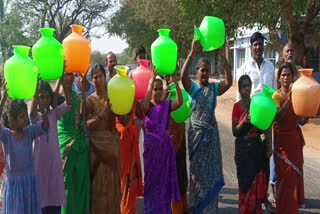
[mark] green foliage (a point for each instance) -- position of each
(97, 57)
(126, 57)
(11, 30)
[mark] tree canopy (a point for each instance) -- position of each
(298, 20)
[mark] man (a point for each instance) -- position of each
(261, 72)
(288, 55)
(111, 62)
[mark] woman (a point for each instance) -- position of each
(131, 176)
(160, 180)
(74, 153)
(249, 154)
(206, 177)
(288, 146)
(104, 147)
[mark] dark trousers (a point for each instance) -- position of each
(51, 210)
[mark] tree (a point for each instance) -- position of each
(60, 14)
(97, 57)
(138, 21)
(11, 29)
(296, 19)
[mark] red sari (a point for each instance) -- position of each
(288, 158)
(251, 167)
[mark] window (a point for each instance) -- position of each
(241, 56)
(270, 55)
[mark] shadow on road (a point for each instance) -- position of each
(228, 210)
(312, 204)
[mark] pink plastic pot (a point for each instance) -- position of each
(141, 77)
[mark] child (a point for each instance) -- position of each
(47, 159)
(21, 194)
(249, 154)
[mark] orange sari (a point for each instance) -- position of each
(130, 176)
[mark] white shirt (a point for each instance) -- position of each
(263, 76)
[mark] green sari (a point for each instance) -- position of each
(75, 157)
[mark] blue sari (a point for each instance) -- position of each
(206, 176)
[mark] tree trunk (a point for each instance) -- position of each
(298, 43)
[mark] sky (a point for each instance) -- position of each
(106, 44)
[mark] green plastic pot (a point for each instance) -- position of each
(21, 74)
(211, 33)
(164, 52)
(48, 54)
(263, 109)
(183, 113)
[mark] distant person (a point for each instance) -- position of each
(289, 55)
(140, 55)
(288, 147)
(111, 62)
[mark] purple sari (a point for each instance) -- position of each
(160, 180)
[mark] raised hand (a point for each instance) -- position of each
(83, 79)
(4, 89)
(193, 49)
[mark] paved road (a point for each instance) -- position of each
(228, 201)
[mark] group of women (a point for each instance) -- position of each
(115, 178)
(86, 158)
(288, 150)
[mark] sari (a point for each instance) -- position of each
(104, 166)
(179, 142)
(131, 176)
(251, 166)
(75, 159)
(206, 175)
(288, 158)
(160, 180)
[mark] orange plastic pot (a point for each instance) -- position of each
(305, 94)
(77, 51)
